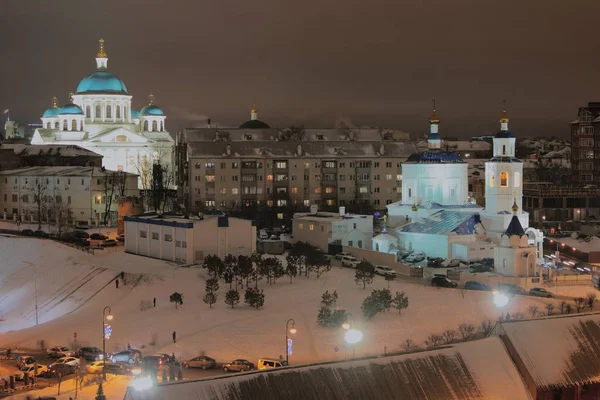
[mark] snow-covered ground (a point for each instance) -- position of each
(220, 332)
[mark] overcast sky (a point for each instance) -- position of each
(314, 62)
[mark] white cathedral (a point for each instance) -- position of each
(436, 215)
(99, 117)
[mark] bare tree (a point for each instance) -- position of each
(434, 340)
(62, 213)
(449, 336)
(549, 308)
(143, 168)
(590, 300)
(161, 185)
(580, 303)
(120, 183)
(39, 189)
(466, 331)
(562, 306)
(486, 327)
(109, 187)
(533, 311)
(408, 345)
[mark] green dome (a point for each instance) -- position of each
(51, 112)
(254, 124)
(102, 82)
(151, 109)
(135, 113)
(71, 109)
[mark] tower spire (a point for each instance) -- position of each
(101, 52)
(515, 207)
(504, 117)
(434, 141)
(254, 113)
(150, 99)
(71, 98)
(54, 102)
(101, 57)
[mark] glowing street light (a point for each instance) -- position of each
(352, 337)
(500, 299)
(105, 317)
(291, 330)
(347, 325)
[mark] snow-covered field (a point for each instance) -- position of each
(220, 332)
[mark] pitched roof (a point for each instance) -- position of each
(64, 150)
(444, 222)
(474, 370)
(60, 171)
(515, 227)
(557, 351)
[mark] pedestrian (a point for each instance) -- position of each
(8, 353)
(128, 346)
(154, 302)
(173, 358)
(117, 282)
(174, 337)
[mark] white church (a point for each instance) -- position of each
(99, 117)
(436, 215)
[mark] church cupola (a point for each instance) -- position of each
(101, 57)
(504, 141)
(433, 140)
(254, 113)
(152, 117)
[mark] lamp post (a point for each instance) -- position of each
(35, 290)
(107, 317)
(352, 337)
(291, 330)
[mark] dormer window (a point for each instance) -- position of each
(320, 137)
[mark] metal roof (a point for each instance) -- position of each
(443, 223)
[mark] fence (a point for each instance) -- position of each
(390, 260)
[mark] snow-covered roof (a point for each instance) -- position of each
(474, 370)
(59, 171)
(557, 351)
(58, 150)
(443, 223)
(385, 237)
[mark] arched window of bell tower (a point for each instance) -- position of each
(73, 125)
(504, 179)
(154, 126)
(98, 113)
(88, 112)
(64, 125)
(145, 126)
(108, 111)
(118, 111)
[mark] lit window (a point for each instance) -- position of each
(294, 190)
(329, 190)
(223, 191)
(330, 202)
(504, 179)
(306, 203)
(269, 178)
(300, 226)
(318, 190)
(388, 177)
(234, 191)
(311, 227)
(209, 165)
(209, 178)
(363, 189)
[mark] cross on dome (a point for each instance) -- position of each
(151, 99)
(434, 118)
(71, 98)
(54, 102)
(101, 52)
(515, 207)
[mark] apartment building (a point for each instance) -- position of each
(585, 142)
(238, 169)
(82, 193)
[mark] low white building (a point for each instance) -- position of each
(82, 195)
(188, 240)
(323, 228)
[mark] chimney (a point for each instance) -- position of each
(342, 211)
(314, 208)
(208, 123)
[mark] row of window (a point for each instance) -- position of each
(285, 164)
(46, 180)
(504, 180)
(45, 199)
(284, 177)
(294, 190)
(284, 203)
(167, 237)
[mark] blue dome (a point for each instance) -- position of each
(135, 113)
(51, 112)
(70, 109)
(102, 82)
(151, 109)
(434, 156)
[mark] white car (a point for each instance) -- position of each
(415, 257)
(29, 370)
(67, 361)
(59, 352)
(341, 255)
(350, 261)
(383, 270)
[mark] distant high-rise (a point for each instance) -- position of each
(585, 142)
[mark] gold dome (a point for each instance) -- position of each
(515, 207)
(254, 109)
(101, 52)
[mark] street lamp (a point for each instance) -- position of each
(500, 299)
(107, 317)
(291, 330)
(347, 325)
(352, 337)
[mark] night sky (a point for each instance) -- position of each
(315, 62)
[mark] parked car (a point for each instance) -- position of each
(40, 234)
(24, 360)
(383, 270)
(80, 234)
(109, 243)
(29, 369)
(350, 261)
(341, 255)
(121, 238)
(64, 369)
(509, 288)
(540, 292)
(90, 353)
(203, 362)
(27, 232)
(435, 262)
(477, 267)
(452, 263)
(96, 367)
(487, 261)
(269, 363)
(98, 236)
(238, 365)
(415, 257)
(66, 361)
(59, 352)
(404, 253)
(474, 285)
(128, 356)
(443, 281)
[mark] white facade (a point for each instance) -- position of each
(99, 117)
(321, 229)
(422, 183)
(80, 191)
(514, 256)
(189, 240)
